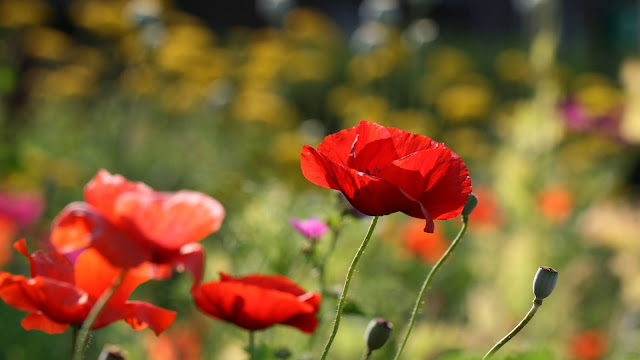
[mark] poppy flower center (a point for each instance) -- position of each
(373, 172)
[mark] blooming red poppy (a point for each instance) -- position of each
(382, 170)
(256, 302)
(129, 223)
(61, 292)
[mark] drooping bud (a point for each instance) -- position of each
(472, 201)
(544, 282)
(377, 333)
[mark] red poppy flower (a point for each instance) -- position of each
(129, 223)
(428, 247)
(382, 170)
(588, 345)
(60, 293)
(257, 302)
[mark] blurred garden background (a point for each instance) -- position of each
(540, 98)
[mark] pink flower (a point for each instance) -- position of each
(311, 228)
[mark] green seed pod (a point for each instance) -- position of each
(470, 205)
(544, 282)
(377, 333)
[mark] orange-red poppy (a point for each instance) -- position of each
(588, 345)
(256, 302)
(61, 292)
(129, 223)
(427, 246)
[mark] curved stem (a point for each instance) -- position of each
(83, 334)
(425, 285)
(345, 289)
(536, 304)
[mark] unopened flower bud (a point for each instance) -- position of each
(377, 333)
(112, 352)
(472, 201)
(544, 282)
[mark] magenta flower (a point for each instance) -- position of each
(22, 208)
(311, 228)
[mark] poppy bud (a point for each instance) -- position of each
(472, 201)
(111, 352)
(544, 282)
(377, 333)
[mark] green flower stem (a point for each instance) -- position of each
(252, 345)
(335, 233)
(345, 289)
(425, 285)
(536, 304)
(83, 335)
(74, 338)
(366, 354)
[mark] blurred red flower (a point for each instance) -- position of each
(382, 170)
(588, 345)
(427, 246)
(256, 302)
(61, 293)
(556, 204)
(8, 232)
(129, 223)
(487, 215)
(178, 343)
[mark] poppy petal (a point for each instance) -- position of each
(169, 220)
(191, 259)
(437, 178)
(407, 143)
(103, 191)
(143, 315)
(79, 226)
(275, 282)
(369, 194)
(94, 275)
(53, 265)
(373, 148)
(252, 307)
(38, 321)
(338, 146)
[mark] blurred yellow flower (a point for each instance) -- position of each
(66, 81)
(47, 44)
(19, 13)
(311, 27)
(469, 142)
(512, 65)
(463, 102)
(613, 225)
(376, 60)
(105, 18)
(264, 107)
(308, 65)
(365, 107)
(630, 76)
(448, 62)
(286, 146)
